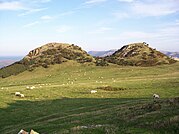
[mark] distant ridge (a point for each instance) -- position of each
(102, 53)
(8, 60)
(171, 54)
(139, 54)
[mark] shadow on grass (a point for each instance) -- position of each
(90, 115)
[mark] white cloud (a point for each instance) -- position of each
(14, 5)
(31, 24)
(155, 7)
(30, 11)
(120, 15)
(161, 38)
(147, 8)
(44, 1)
(88, 2)
(46, 17)
(125, 0)
(66, 13)
(101, 30)
(63, 29)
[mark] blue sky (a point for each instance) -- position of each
(91, 24)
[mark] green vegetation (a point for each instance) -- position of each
(62, 103)
(13, 69)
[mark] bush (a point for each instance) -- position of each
(109, 88)
(101, 62)
(44, 65)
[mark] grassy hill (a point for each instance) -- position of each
(49, 54)
(62, 103)
(139, 54)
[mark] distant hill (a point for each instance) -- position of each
(171, 54)
(102, 53)
(49, 54)
(8, 60)
(138, 54)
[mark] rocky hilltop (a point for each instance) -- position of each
(56, 53)
(49, 54)
(139, 54)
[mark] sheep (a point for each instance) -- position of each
(27, 87)
(93, 91)
(156, 96)
(33, 132)
(22, 95)
(17, 93)
(32, 87)
(23, 132)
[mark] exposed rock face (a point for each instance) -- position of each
(139, 54)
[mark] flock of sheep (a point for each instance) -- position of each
(155, 96)
(29, 87)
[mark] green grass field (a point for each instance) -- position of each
(62, 103)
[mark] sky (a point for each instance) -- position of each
(90, 24)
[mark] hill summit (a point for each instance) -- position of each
(56, 53)
(139, 54)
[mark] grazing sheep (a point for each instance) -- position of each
(23, 132)
(93, 91)
(156, 96)
(17, 93)
(32, 87)
(33, 132)
(22, 95)
(27, 87)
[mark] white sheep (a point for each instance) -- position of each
(156, 96)
(22, 95)
(17, 93)
(32, 87)
(22, 132)
(93, 91)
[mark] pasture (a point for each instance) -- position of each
(62, 103)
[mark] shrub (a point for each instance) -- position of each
(101, 62)
(44, 65)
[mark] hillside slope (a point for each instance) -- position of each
(139, 54)
(61, 102)
(49, 54)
